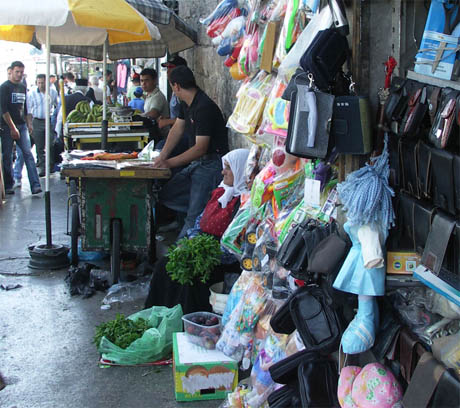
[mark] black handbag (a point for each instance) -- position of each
(284, 397)
(308, 129)
(442, 165)
(325, 57)
(318, 382)
(445, 128)
(309, 311)
(295, 252)
(351, 126)
(396, 101)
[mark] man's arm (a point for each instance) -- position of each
(163, 122)
(195, 152)
(13, 129)
(174, 136)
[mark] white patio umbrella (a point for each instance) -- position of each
(71, 22)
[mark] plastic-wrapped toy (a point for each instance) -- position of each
(218, 26)
(233, 237)
(274, 350)
(236, 340)
(248, 111)
(222, 9)
(234, 31)
(262, 188)
(289, 32)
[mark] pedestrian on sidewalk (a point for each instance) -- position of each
(36, 110)
(16, 127)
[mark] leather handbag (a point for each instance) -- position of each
(285, 397)
(433, 102)
(442, 165)
(294, 254)
(417, 108)
(325, 57)
(396, 101)
(318, 383)
(424, 170)
(298, 142)
(423, 214)
(351, 126)
(406, 219)
(445, 128)
(327, 255)
(457, 183)
(309, 310)
(408, 160)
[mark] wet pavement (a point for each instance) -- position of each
(47, 358)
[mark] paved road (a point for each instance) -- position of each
(46, 353)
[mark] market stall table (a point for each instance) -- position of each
(116, 208)
(78, 134)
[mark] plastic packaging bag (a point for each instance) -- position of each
(128, 291)
(149, 152)
(248, 111)
(290, 63)
(154, 344)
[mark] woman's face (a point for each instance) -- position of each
(228, 175)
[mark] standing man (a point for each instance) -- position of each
(69, 82)
(155, 104)
(81, 89)
(189, 189)
(36, 109)
(14, 128)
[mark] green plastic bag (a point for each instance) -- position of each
(155, 343)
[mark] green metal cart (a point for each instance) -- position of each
(113, 210)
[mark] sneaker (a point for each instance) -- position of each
(17, 184)
(172, 226)
(9, 191)
(36, 190)
(42, 173)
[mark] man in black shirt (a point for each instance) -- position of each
(14, 128)
(189, 190)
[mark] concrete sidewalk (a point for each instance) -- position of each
(47, 358)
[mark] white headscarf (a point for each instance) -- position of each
(237, 161)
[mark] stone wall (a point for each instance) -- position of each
(209, 69)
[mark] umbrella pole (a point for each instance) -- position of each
(48, 256)
(47, 143)
(105, 123)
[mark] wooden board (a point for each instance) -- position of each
(129, 172)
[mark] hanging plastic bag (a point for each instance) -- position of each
(218, 26)
(221, 10)
(155, 343)
(290, 63)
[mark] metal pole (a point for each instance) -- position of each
(105, 123)
(47, 143)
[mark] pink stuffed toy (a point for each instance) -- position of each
(373, 386)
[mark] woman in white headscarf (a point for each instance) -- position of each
(216, 217)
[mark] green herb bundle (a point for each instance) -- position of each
(121, 331)
(193, 259)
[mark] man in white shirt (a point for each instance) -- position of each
(155, 104)
(36, 111)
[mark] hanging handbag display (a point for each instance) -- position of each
(397, 101)
(309, 311)
(298, 247)
(309, 123)
(325, 57)
(351, 127)
(417, 108)
(442, 165)
(445, 128)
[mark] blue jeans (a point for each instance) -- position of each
(22, 148)
(190, 189)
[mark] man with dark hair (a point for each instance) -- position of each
(189, 189)
(155, 104)
(16, 126)
(81, 88)
(69, 82)
(36, 109)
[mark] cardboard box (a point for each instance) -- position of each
(268, 51)
(402, 262)
(199, 373)
(433, 38)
